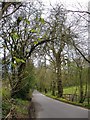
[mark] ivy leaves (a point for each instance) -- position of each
(42, 20)
(15, 35)
(19, 41)
(16, 62)
(27, 21)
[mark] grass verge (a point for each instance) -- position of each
(69, 102)
(21, 106)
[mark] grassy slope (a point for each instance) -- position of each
(21, 106)
(69, 102)
(69, 90)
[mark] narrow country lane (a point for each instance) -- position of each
(46, 107)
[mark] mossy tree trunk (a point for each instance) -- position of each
(58, 72)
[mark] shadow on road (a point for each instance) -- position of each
(34, 107)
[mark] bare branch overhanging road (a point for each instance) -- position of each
(46, 107)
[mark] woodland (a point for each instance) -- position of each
(47, 49)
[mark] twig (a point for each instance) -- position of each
(77, 11)
(12, 12)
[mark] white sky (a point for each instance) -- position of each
(81, 5)
(69, 4)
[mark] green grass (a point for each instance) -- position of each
(21, 106)
(70, 90)
(69, 102)
(5, 93)
(6, 104)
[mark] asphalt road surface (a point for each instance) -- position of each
(46, 107)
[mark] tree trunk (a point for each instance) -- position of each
(81, 86)
(16, 87)
(53, 88)
(58, 71)
(60, 88)
(5, 69)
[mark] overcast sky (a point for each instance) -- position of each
(69, 4)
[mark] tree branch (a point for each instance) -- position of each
(80, 52)
(77, 11)
(12, 12)
(39, 43)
